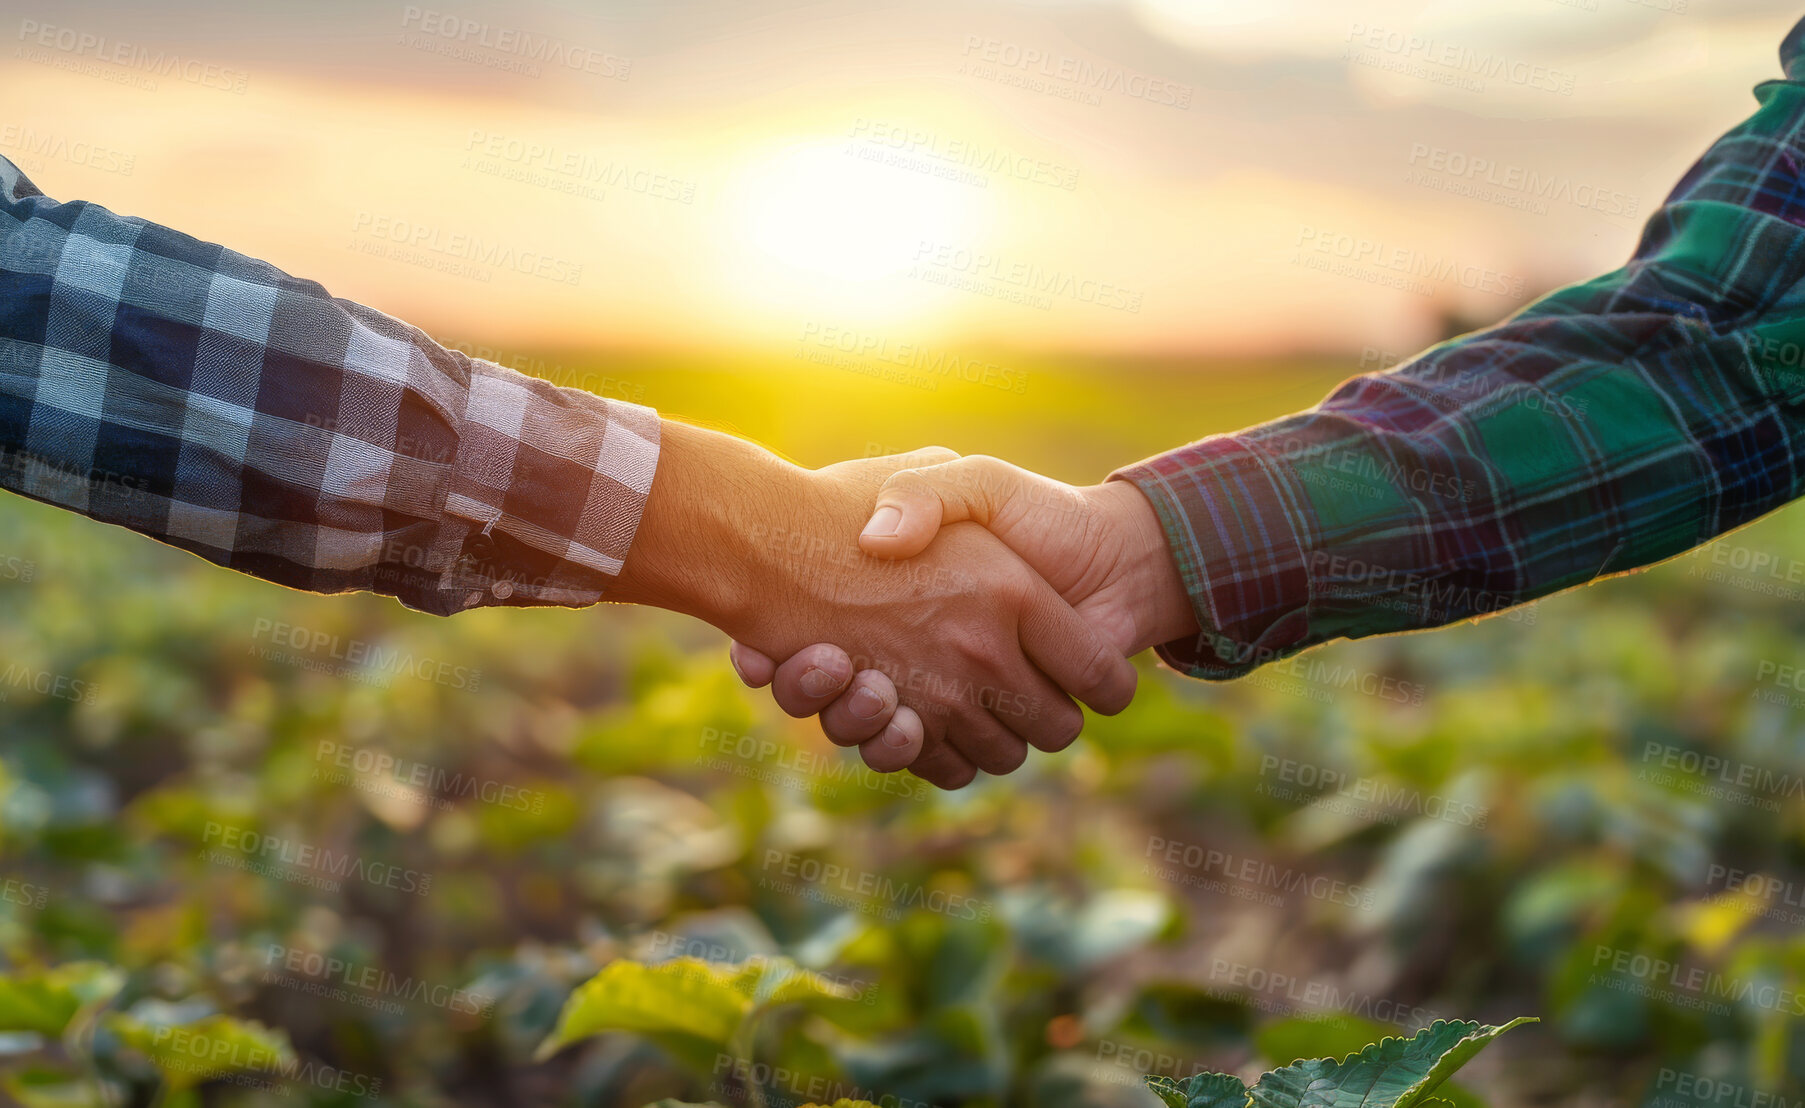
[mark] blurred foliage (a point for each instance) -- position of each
(262, 847)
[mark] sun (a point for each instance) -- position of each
(826, 214)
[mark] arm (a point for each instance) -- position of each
(1609, 425)
(211, 401)
(215, 403)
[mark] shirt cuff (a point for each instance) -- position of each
(546, 493)
(1230, 522)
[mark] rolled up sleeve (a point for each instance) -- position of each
(213, 402)
(1607, 426)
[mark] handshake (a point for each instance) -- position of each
(941, 613)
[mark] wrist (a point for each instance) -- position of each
(695, 551)
(1159, 605)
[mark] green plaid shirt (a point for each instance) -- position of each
(1609, 425)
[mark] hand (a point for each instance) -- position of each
(856, 708)
(979, 645)
(1101, 546)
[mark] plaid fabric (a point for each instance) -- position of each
(211, 401)
(1609, 425)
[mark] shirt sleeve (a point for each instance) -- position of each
(1607, 426)
(213, 402)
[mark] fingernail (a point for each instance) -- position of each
(884, 523)
(733, 659)
(865, 704)
(896, 737)
(817, 682)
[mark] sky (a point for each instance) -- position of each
(1211, 177)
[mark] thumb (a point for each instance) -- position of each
(914, 504)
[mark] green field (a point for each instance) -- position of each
(1590, 811)
(1072, 418)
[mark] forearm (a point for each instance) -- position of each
(1346, 522)
(213, 402)
(696, 550)
(1610, 425)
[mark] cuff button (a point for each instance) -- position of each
(501, 590)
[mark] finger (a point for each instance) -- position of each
(986, 744)
(939, 764)
(1072, 653)
(1035, 710)
(755, 669)
(890, 463)
(864, 711)
(898, 746)
(915, 503)
(811, 679)
(926, 456)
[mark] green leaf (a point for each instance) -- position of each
(1170, 1093)
(1392, 1073)
(194, 1053)
(1205, 1090)
(46, 1000)
(685, 997)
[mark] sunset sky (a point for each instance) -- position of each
(1208, 176)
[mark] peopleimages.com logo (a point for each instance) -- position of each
(368, 986)
(304, 863)
(44, 683)
(120, 61)
(324, 650)
(863, 890)
(195, 1050)
(371, 769)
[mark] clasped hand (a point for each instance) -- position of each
(1073, 580)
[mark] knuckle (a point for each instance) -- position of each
(795, 704)
(957, 474)
(1007, 758)
(943, 776)
(906, 482)
(1067, 723)
(839, 733)
(1099, 668)
(1119, 692)
(971, 642)
(991, 475)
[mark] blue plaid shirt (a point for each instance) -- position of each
(210, 400)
